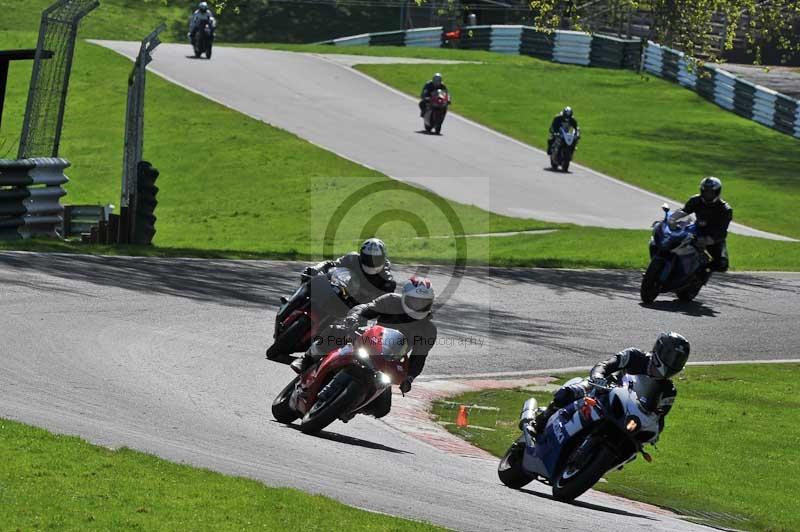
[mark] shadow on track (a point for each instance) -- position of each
(693, 308)
(351, 440)
(589, 506)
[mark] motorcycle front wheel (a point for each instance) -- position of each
(281, 411)
(285, 344)
(577, 475)
(510, 468)
(650, 286)
(326, 411)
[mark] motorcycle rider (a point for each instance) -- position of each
(713, 215)
(201, 14)
(409, 313)
(370, 262)
(565, 116)
(669, 356)
(428, 89)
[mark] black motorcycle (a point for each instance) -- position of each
(563, 147)
(203, 40)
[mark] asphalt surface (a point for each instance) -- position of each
(166, 356)
(322, 99)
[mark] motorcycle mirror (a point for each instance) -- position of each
(665, 207)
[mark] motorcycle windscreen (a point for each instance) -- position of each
(324, 300)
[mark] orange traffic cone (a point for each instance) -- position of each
(462, 419)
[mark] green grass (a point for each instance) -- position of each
(63, 483)
(730, 445)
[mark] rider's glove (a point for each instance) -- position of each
(599, 381)
(310, 271)
(405, 386)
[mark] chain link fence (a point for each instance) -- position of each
(44, 114)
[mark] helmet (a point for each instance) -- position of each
(372, 256)
(669, 355)
(567, 112)
(710, 189)
(203, 6)
(417, 297)
(437, 79)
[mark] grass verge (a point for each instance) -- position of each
(62, 482)
(731, 441)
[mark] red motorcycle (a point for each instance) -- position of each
(319, 302)
(436, 111)
(346, 382)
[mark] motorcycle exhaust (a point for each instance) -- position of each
(529, 411)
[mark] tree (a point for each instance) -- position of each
(690, 25)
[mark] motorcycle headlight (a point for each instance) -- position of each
(383, 378)
(362, 353)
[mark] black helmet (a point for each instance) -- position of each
(669, 355)
(710, 189)
(372, 256)
(437, 80)
(567, 112)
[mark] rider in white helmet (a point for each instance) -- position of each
(409, 312)
(202, 14)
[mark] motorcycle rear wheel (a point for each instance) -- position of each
(208, 51)
(570, 484)
(285, 344)
(650, 286)
(281, 411)
(510, 469)
(323, 414)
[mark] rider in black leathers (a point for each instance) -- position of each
(409, 313)
(713, 215)
(667, 359)
(427, 90)
(566, 115)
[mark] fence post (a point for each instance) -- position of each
(134, 135)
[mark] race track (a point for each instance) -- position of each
(322, 99)
(166, 356)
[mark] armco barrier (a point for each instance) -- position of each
(738, 95)
(570, 47)
(424, 37)
(506, 39)
(30, 190)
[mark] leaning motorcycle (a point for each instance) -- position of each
(318, 302)
(676, 263)
(584, 440)
(436, 110)
(563, 147)
(347, 381)
(203, 40)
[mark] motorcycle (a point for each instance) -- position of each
(676, 263)
(346, 382)
(563, 147)
(319, 301)
(436, 110)
(203, 40)
(600, 432)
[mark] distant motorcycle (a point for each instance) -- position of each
(318, 302)
(346, 381)
(436, 110)
(563, 147)
(203, 40)
(585, 439)
(676, 263)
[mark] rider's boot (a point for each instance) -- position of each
(309, 358)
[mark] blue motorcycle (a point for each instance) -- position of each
(676, 263)
(584, 440)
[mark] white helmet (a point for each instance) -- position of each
(203, 6)
(417, 297)
(372, 256)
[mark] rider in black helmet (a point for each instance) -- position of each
(669, 356)
(713, 215)
(434, 84)
(566, 115)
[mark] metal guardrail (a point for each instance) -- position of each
(760, 104)
(571, 47)
(30, 193)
